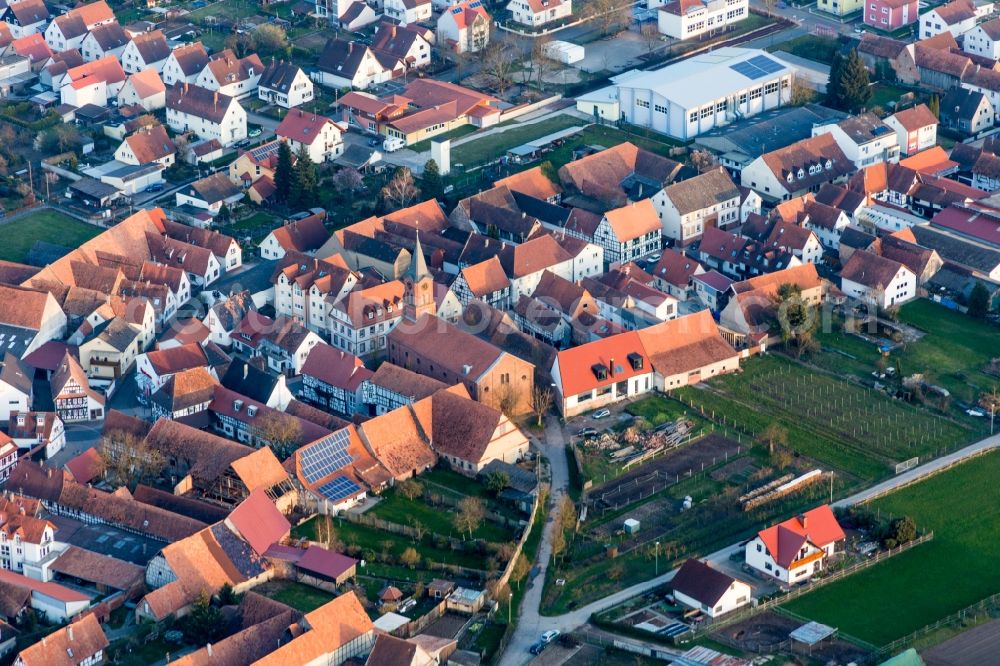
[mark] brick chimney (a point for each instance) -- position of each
(804, 520)
(611, 367)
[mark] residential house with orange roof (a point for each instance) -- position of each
(29, 317)
(629, 232)
(535, 13)
(232, 76)
(306, 287)
(902, 246)
(464, 26)
(27, 537)
(285, 84)
(333, 634)
(360, 322)
(524, 264)
(916, 128)
(612, 177)
(533, 183)
(321, 138)
(218, 469)
(255, 163)
(337, 471)
(148, 145)
(32, 47)
(25, 18)
(148, 50)
(751, 313)
(68, 30)
(663, 357)
(333, 379)
(185, 395)
(145, 89)
(304, 236)
(93, 82)
(185, 64)
(956, 17)
(933, 162)
(80, 643)
(155, 367)
(71, 393)
(486, 281)
(228, 552)
(436, 107)
(37, 430)
(793, 551)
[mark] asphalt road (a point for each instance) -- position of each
(532, 623)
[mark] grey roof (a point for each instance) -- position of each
(520, 479)
(768, 131)
(94, 188)
(116, 332)
(132, 171)
(357, 156)
(199, 102)
(957, 250)
(279, 76)
(255, 279)
(961, 103)
(14, 374)
(14, 340)
(249, 380)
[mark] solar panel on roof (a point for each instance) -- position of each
(748, 70)
(326, 456)
(338, 489)
(457, 10)
(766, 64)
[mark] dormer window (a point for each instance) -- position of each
(801, 174)
(829, 165)
(790, 178)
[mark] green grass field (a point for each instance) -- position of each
(832, 421)
(43, 225)
(500, 141)
(397, 509)
(378, 541)
(301, 597)
(954, 570)
(952, 353)
(813, 47)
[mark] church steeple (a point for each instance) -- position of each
(418, 286)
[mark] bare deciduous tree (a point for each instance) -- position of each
(280, 431)
(541, 402)
(497, 61)
(703, 161)
(411, 489)
(401, 191)
(520, 569)
(469, 517)
(650, 35)
(611, 15)
(128, 461)
(541, 63)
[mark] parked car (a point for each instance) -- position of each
(602, 413)
(587, 433)
(155, 187)
(549, 636)
(538, 648)
(255, 132)
(374, 141)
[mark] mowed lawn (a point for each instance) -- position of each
(494, 145)
(44, 225)
(954, 570)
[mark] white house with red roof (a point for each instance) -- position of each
(662, 357)
(539, 12)
(321, 137)
(915, 128)
(464, 27)
(796, 549)
(683, 19)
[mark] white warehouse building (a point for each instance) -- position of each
(695, 95)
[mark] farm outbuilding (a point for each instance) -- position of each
(631, 526)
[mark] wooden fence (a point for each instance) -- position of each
(977, 609)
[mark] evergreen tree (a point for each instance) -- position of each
(431, 182)
(304, 181)
(979, 301)
(935, 105)
(283, 173)
(224, 214)
(849, 87)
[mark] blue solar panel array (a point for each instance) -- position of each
(757, 67)
(326, 457)
(338, 489)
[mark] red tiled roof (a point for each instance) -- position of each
(259, 522)
(302, 127)
(817, 526)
